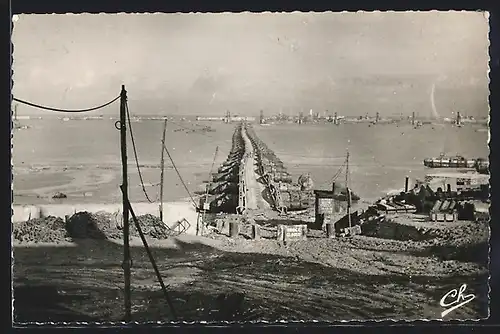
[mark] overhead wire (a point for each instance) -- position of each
(278, 153)
(210, 174)
(35, 105)
(135, 156)
(179, 175)
(337, 174)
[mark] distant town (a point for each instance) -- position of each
(281, 118)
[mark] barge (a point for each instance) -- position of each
(458, 161)
(444, 161)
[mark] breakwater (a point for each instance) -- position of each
(254, 178)
(223, 189)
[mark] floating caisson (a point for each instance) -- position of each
(227, 192)
(222, 191)
(269, 163)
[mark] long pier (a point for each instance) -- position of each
(253, 179)
(251, 190)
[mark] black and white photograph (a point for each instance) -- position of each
(250, 167)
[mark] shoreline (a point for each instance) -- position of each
(101, 185)
(98, 185)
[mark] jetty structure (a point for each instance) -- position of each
(253, 185)
(253, 179)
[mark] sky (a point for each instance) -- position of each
(205, 64)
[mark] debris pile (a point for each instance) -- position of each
(49, 229)
(390, 228)
(86, 225)
(151, 226)
(305, 181)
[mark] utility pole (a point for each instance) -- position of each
(334, 205)
(162, 166)
(348, 191)
(126, 245)
(206, 205)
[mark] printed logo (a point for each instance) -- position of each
(454, 299)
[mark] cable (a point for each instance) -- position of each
(210, 174)
(179, 175)
(337, 174)
(64, 110)
(135, 155)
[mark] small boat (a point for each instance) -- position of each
(450, 162)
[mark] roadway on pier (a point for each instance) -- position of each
(254, 199)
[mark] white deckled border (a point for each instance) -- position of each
(15, 18)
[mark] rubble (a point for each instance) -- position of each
(151, 226)
(49, 229)
(86, 225)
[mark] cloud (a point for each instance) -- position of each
(257, 60)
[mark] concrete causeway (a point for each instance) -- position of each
(254, 189)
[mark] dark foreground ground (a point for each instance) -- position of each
(360, 278)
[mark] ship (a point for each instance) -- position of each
(444, 161)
